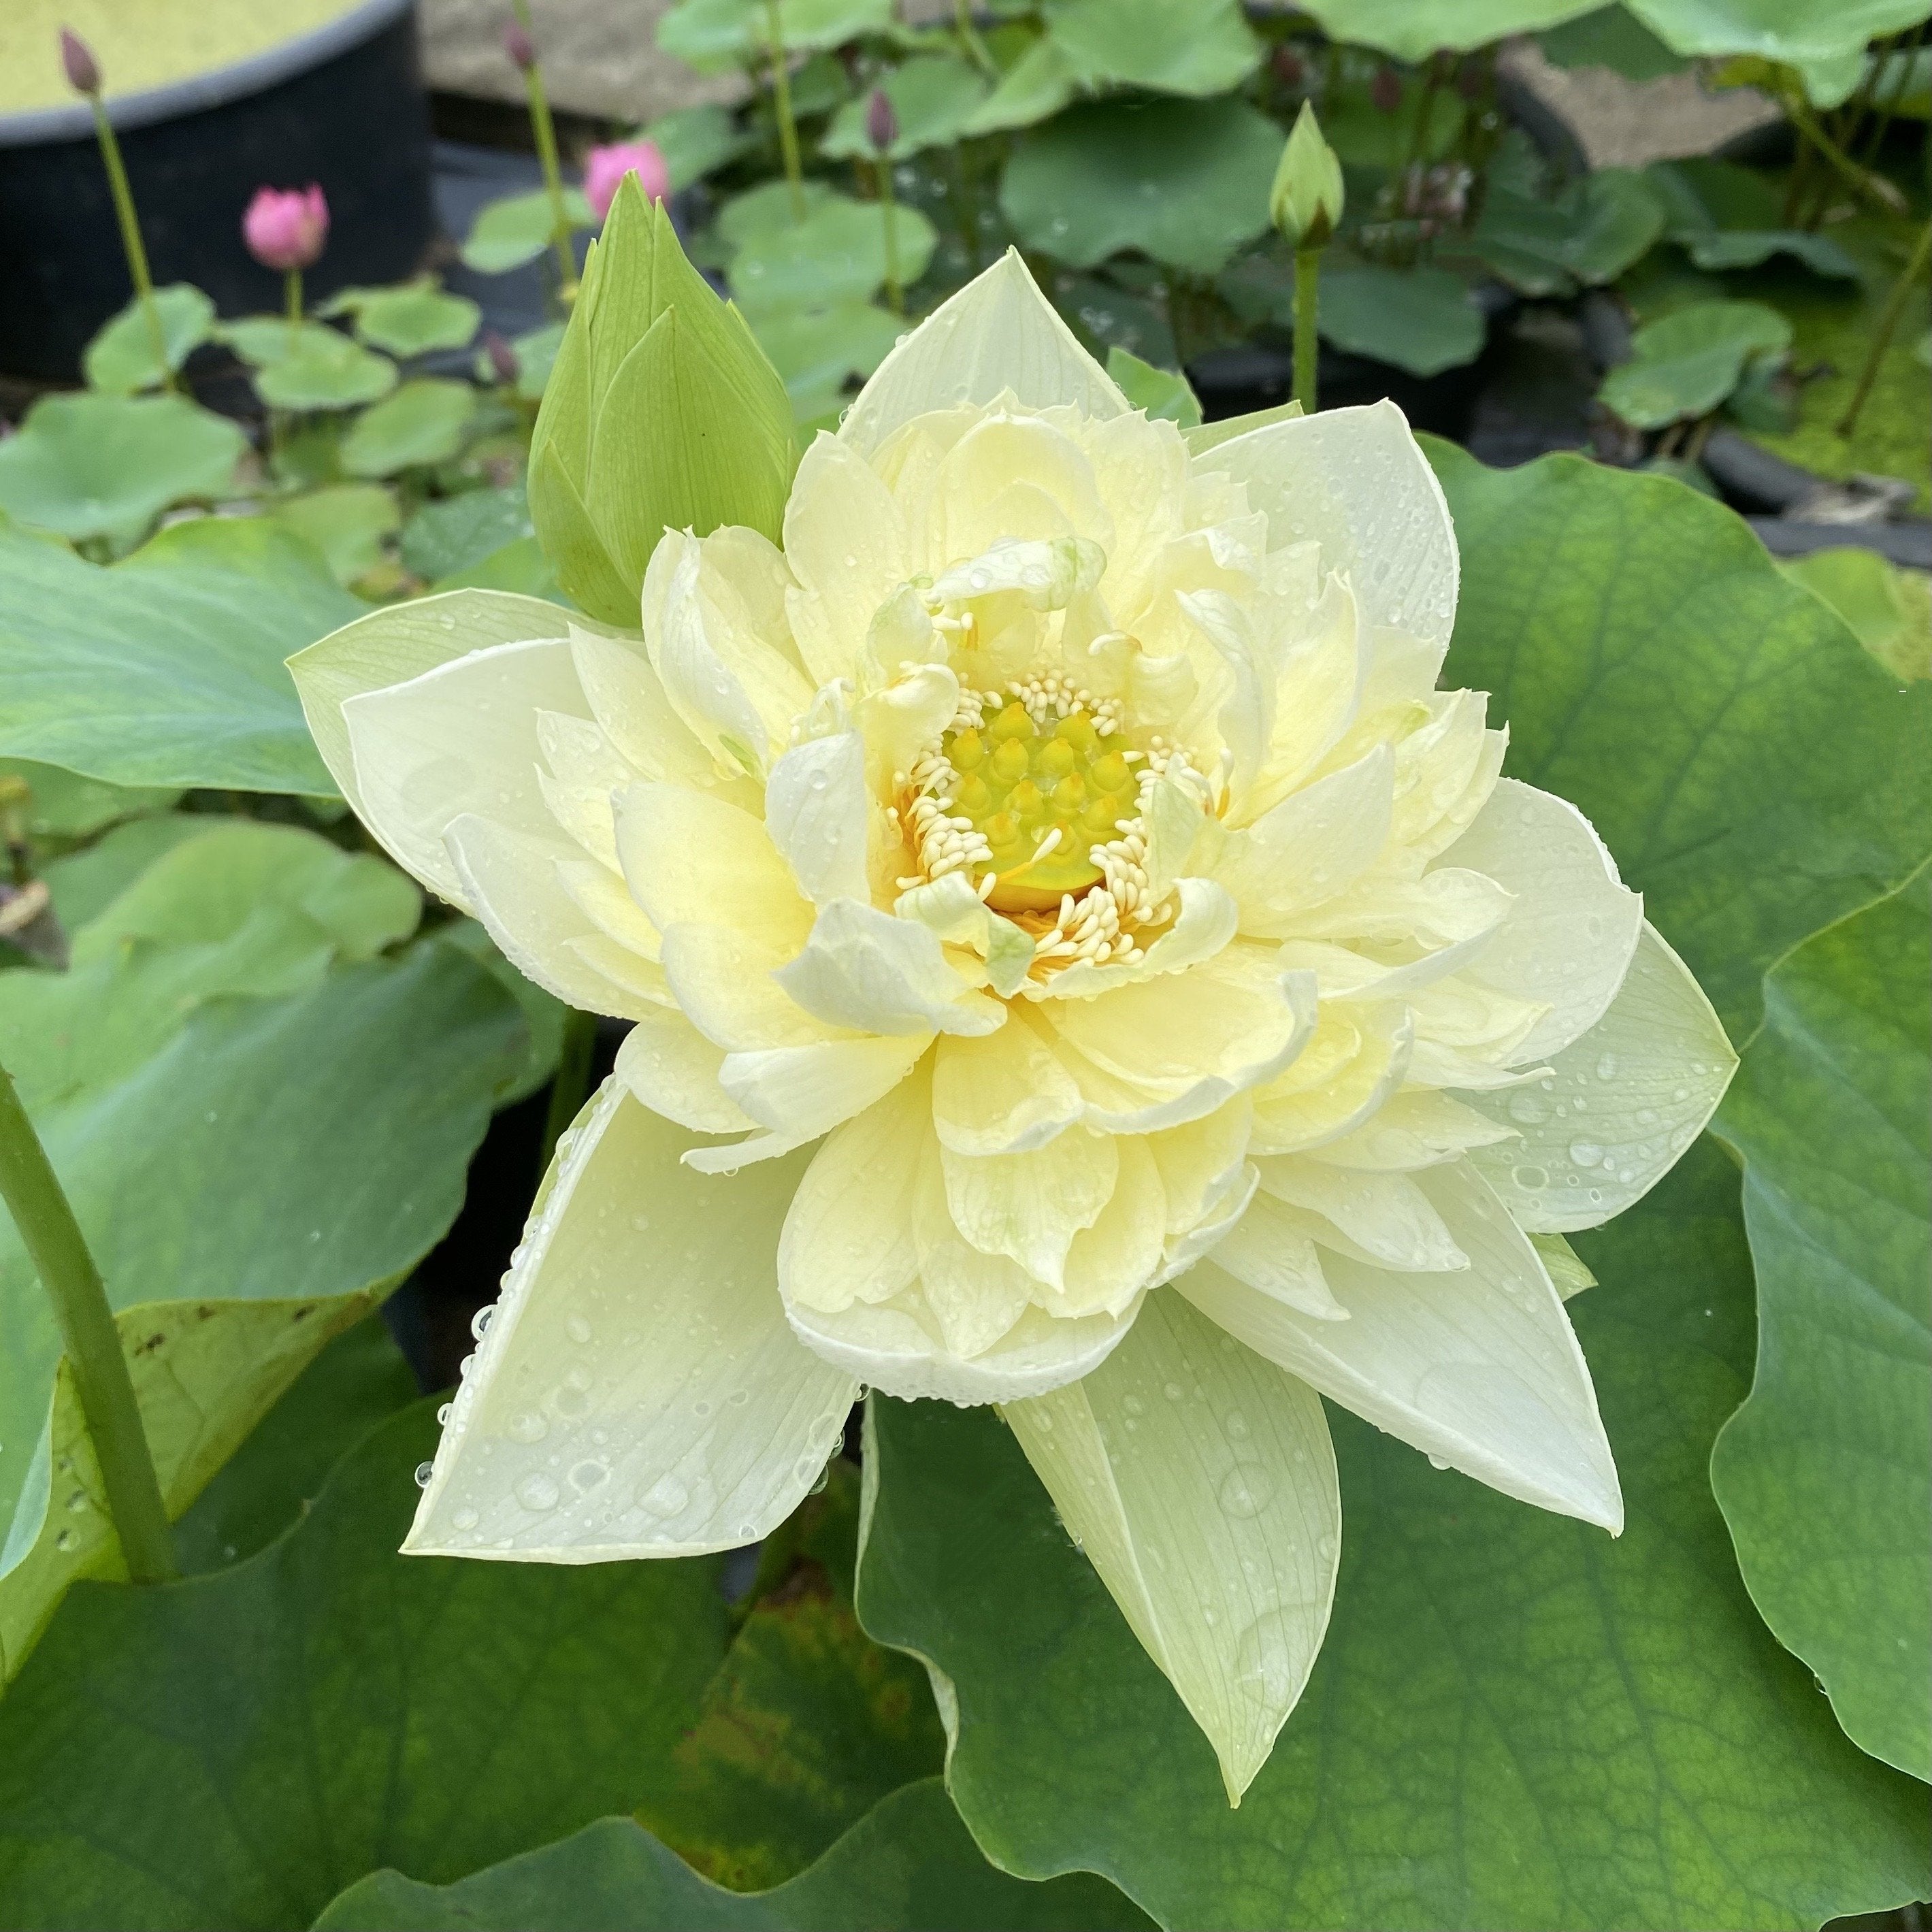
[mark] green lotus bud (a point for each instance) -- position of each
(1305, 201)
(661, 412)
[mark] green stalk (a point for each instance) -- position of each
(58, 1252)
(1866, 186)
(1307, 272)
(889, 214)
(1425, 110)
(781, 103)
(292, 294)
(969, 38)
(130, 237)
(1903, 47)
(1887, 321)
(545, 131)
(570, 1085)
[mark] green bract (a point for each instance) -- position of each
(661, 412)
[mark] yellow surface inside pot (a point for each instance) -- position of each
(141, 43)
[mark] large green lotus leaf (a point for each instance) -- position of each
(1165, 395)
(1412, 30)
(909, 1863)
(816, 350)
(1184, 182)
(1824, 1475)
(266, 341)
(457, 533)
(1590, 233)
(1040, 83)
(410, 319)
(695, 141)
(235, 1749)
(508, 233)
(1826, 43)
(63, 804)
(90, 465)
(84, 881)
(1515, 1722)
(714, 35)
(932, 99)
(356, 1383)
(1687, 363)
(324, 370)
(1755, 774)
(120, 359)
(1207, 48)
(836, 255)
(544, 1013)
(238, 1183)
(808, 1724)
(1420, 320)
(423, 422)
(1889, 610)
(347, 522)
(166, 668)
(1611, 37)
(1725, 216)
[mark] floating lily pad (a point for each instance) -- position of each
(1164, 394)
(1185, 182)
(424, 421)
(322, 369)
(410, 320)
(101, 465)
(120, 359)
(519, 228)
(695, 142)
(347, 522)
(1889, 610)
(713, 35)
(1423, 320)
(1590, 234)
(1725, 216)
(932, 98)
(1205, 49)
(1687, 364)
(836, 255)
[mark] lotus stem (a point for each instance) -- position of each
(1307, 274)
(1887, 321)
(58, 1252)
(570, 1085)
(889, 213)
(544, 129)
(782, 104)
(969, 38)
(1425, 111)
(1867, 186)
(291, 291)
(131, 245)
(1902, 48)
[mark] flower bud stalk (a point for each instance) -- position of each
(83, 72)
(1306, 203)
(882, 130)
(521, 42)
(782, 106)
(58, 1252)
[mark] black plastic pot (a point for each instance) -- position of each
(343, 106)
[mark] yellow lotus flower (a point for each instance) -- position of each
(1057, 875)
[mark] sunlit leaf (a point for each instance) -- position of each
(1687, 363)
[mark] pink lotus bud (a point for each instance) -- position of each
(605, 168)
(520, 48)
(1385, 90)
(83, 70)
(882, 124)
(285, 228)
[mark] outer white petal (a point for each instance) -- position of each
(513, 882)
(1567, 940)
(998, 333)
(461, 738)
(845, 541)
(804, 1091)
(637, 1392)
(1268, 1249)
(848, 1234)
(1200, 1480)
(1479, 1368)
(1002, 1092)
(630, 704)
(1618, 1105)
(816, 810)
(864, 968)
(400, 642)
(1381, 1217)
(690, 856)
(673, 1069)
(1355, 482)
(1316, 843)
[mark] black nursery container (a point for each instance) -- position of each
(343, 105)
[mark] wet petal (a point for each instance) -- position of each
(1200, 1481)
(1002, 1092)
(804, 1091)
(1030, 1206)
(816, 810)
(673, 1069)
(1479, 1368)
(1619, 1104)
(863, 968)
(637, 1392)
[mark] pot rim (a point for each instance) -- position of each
(216, 87)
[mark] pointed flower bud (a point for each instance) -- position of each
(1305, 201)
(882, 124)
(604, 167)
(518, 45)
(285, 228)
(83, 70)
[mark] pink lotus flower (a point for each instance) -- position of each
(605, 168)
(285, 228)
